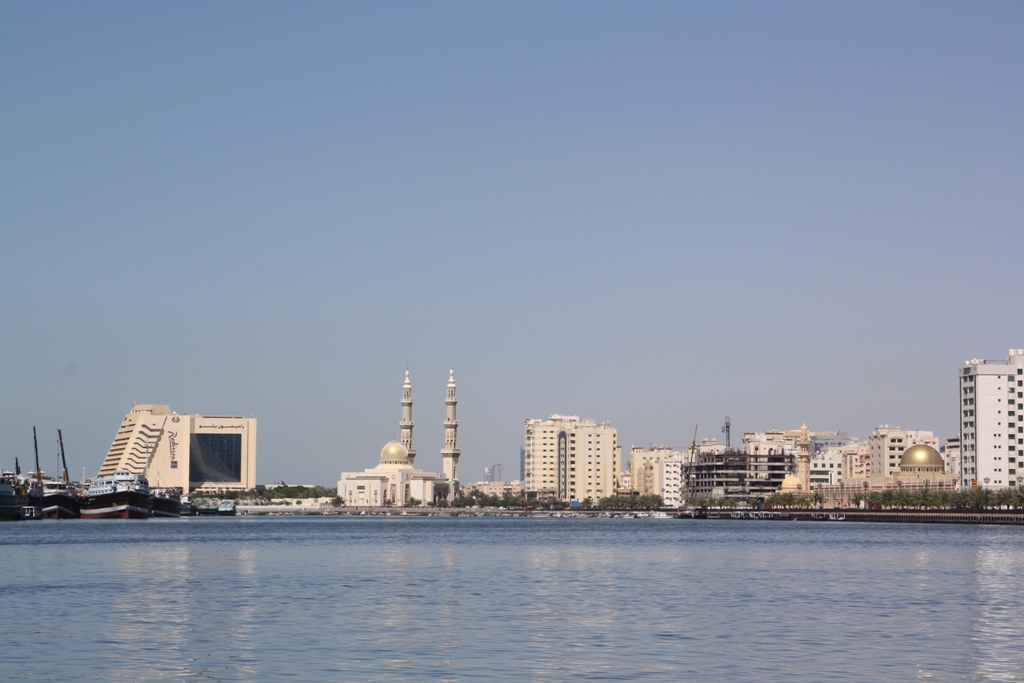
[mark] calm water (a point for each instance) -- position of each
(478, 599)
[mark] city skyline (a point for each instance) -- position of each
(653, 215)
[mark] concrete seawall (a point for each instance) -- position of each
(916, 516)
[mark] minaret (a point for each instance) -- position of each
(406, 423)
(450, 453)
(803, 455)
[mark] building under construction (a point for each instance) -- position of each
(735, 474)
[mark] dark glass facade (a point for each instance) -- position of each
(215, 458)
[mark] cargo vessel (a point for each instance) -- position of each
(165, 502)
(12, 500)
(59, 501)
(122, 495)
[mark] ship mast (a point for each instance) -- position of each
(63, 461)
(35, 441)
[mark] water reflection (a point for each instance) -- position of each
(999, 628)
(493, 600)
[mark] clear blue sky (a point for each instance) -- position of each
(655, 214)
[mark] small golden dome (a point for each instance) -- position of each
(790, 484)
(921, 458)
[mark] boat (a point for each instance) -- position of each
(59, 501)
(12, 497)
(35, 487)
(226, 508)
(122, 495)
(165, 502)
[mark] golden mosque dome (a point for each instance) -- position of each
(921, 458)
(394, 453)
(790, 484)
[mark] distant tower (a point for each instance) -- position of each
(450, 453)
(406, 423)
(727, 428)
(803, 455)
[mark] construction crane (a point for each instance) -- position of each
(689, 468)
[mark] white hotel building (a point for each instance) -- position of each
(570, 459)
(991, 430)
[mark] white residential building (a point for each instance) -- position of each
(827, 466)
(951, 454)
(886, 446)
(571, 459)
(668, 479)
(991, 431)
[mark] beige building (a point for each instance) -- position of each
(769, 442)
(190, 452)
(886, 444)
(497, 488)
(570, 459)
(640, 460)
(856, 460)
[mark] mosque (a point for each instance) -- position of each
(921, 468)
(396, 481)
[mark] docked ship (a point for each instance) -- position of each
(60, 498)
(165, 502)
(12, 500)
(122, 495)
(59, 501)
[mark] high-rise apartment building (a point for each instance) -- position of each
(570, 459)
(991, 431)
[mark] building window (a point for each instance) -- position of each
(215, 458)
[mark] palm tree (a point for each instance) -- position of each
(1004, 497)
